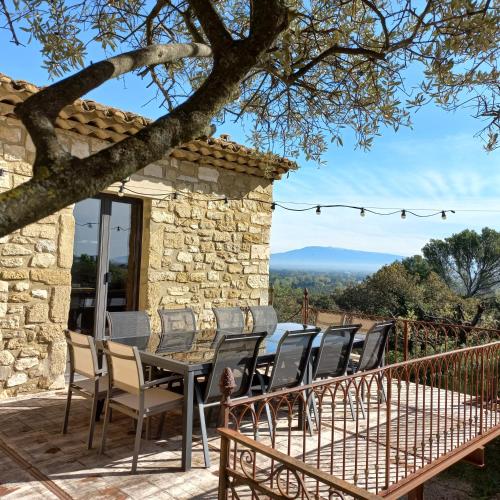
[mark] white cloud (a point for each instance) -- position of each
(450, 172)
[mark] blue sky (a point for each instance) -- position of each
(438, 164)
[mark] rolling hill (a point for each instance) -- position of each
(331, 259)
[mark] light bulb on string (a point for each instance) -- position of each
(443, 215)
(122, 188)
(225, 200)
(318, 210)
(403, 214)
(273, 206)
(362, 212)
(174, 196)
(2, 172)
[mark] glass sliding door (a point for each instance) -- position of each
(105, 261)
(87, 215)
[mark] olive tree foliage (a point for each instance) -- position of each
(469, 262)
(300, 71)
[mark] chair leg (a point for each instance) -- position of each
(362, 408)
(107, 413)
(308, 414)
(93, 414)
(161, 425)
(204, 435)
(269, 420)
(137, 445)
(315, 410)
(66, 411)
(351, 404)
(383, 395)
(255, 421)
(203, 425)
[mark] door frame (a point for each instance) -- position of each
(102, 278)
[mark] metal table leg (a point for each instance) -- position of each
(187, 417)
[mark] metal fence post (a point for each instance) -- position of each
(388, 429)
(226, 385)
(481, 394)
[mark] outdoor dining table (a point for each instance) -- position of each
(191, 354)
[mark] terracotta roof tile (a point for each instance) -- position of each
(92, 119)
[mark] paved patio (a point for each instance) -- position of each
(36, 460)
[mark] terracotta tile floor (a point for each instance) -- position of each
(37, 461)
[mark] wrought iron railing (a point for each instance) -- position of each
(409, 339)
(384, 431)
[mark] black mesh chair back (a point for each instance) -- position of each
(292, 358)
(264, 318)
(129, 327)
(229, 318)
(178, 327)
(334, 351)
(373, 348)
(238, 352)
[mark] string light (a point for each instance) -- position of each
(285, 205)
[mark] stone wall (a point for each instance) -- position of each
(35, 278)
(205, 253)
(195, 252)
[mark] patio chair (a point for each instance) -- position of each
(230, 319)
(239, 353)
(264, 319)
(83, 361)
(129, 327)
(290, 366)
(178, 327)
(138, 399)
(372, 355)
(333, 357)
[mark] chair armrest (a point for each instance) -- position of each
(159, 381)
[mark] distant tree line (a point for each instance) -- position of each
(452, 278)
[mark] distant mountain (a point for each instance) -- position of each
(331, 259)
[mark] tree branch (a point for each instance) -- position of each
(10, 23)
(68, 179)
(39, 112)
(382, 20)
(217, 34)
(335, 49)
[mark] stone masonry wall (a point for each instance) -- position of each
(196, 252)
(205, 253)
(35, 278)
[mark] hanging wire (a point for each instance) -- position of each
(293, 206)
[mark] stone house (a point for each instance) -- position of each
(167, 237)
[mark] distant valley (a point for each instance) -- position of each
(328, 259)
